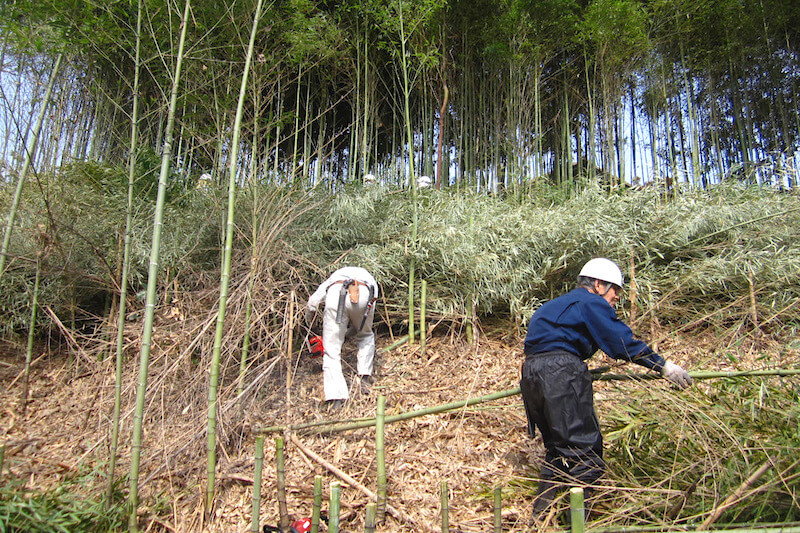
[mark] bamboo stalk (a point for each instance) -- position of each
(2, 458)
(423, 300)
(317, 505)
(444, 498)
(337, 426)
(369, 519)
(126, 254)
(380, 458)
(257, 472)
(280, 468)
(30, 150)
(402, 340)
(334, 507)
(289, 334)
(31, 336)
(498, 510)
(737, 494)
(152, 282)
(211, 445)
(577, 510)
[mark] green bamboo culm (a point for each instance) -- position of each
(337, 426)
(370, 518)
(498, 510)
(576, 510)
(31, 336)
(257, 473)
(444, 497)
(380, 458)
(280, 474)
(423, 330)
(412, 175)
(316, 507)
(126, 261)
(226, 273)
(30, 150)
(334, 506)
(152, 283)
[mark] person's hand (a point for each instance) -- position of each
(676, 375)
(310, 315)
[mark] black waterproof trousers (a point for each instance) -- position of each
(559, 400)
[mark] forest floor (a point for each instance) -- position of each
(64, 433)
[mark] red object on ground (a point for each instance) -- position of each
(301, 526)
(315, 345)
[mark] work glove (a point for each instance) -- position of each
(677, 375)
(310, 315)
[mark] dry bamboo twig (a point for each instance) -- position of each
(355, 484)
(737, 494)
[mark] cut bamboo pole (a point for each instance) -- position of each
(334, 426)
(369, 519)
(257, 472)
(498, 510)
(576, 510)
(334, 507)
(444, 497)
(317, 505)
(380, 458)
(402, 340)
(355, 484)
(280, 466)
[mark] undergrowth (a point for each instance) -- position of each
(64, 508)
(676, 457)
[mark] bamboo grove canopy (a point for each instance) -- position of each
(691, 92)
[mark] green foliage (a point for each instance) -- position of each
(693, 254)
(702, 445)
(80, 240)
(65, 508)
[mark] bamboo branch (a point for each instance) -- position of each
(353, 483)
(737, 494)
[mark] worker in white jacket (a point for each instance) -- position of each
(350, 294)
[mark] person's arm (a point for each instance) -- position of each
(616, 339)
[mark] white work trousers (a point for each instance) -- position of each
(333, 336)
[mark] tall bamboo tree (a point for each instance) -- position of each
(152, 280)
(123, 282)
(226, 272)
(30, 151)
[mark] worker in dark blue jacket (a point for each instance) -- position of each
(556, 383)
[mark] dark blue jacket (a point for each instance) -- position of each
(581, 322)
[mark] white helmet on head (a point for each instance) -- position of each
(602, 269)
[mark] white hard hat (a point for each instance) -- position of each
(369, 178)
(423, 182)
(602, 269)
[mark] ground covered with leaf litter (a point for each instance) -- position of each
(64, 433)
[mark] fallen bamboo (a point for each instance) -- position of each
(335, 426)
(352, 482)
(737, 494)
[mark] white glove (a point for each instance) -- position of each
(677, 375)
(310, 315)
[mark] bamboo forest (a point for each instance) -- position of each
(179, 182)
